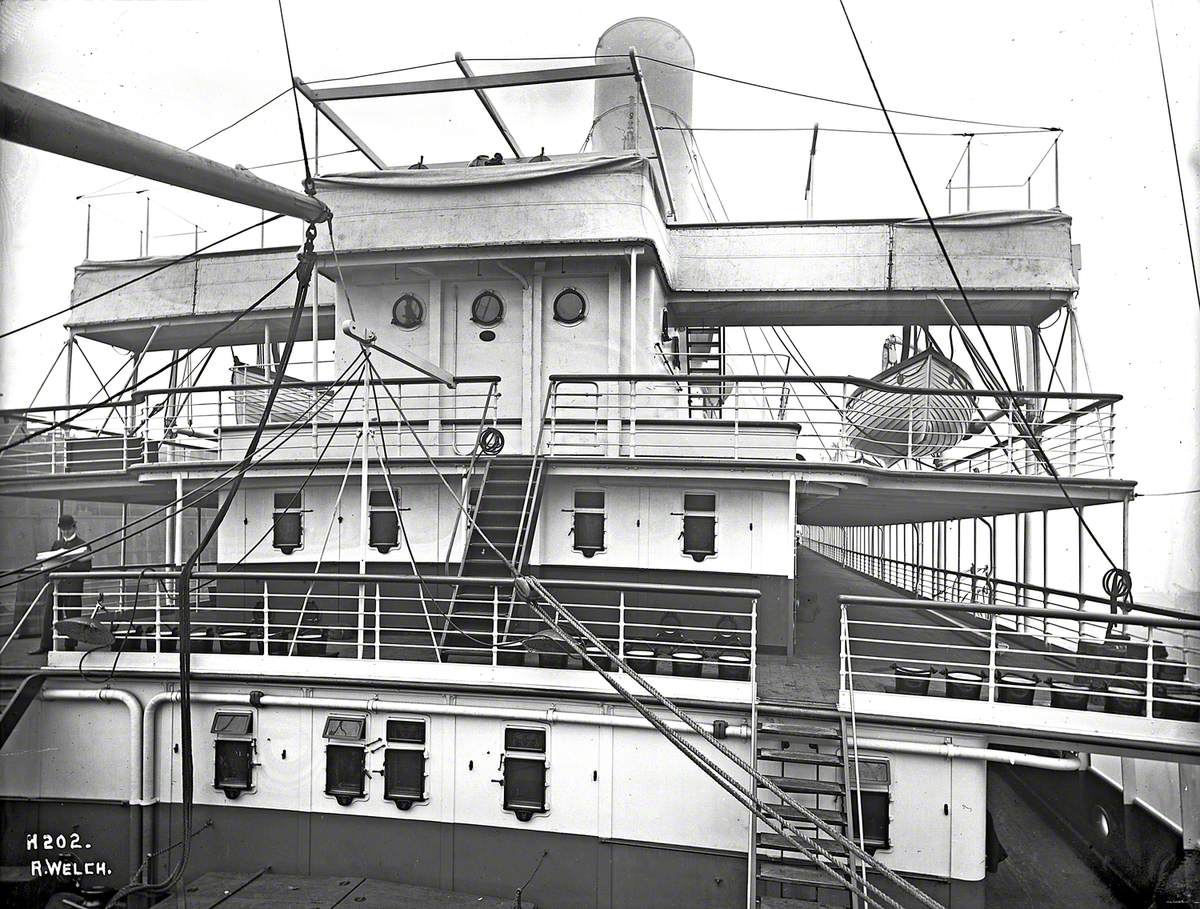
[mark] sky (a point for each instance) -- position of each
(179, 71)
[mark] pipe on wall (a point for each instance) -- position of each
(1080, 761)
(136, 754)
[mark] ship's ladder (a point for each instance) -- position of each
(809, 832)
(704, 355)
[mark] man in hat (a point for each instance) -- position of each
(70, 590)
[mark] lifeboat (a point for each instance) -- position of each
(891, 426)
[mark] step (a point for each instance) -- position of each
(786, 729)
(776, 841)
(783, 902)
(800, 756)
(808, 787)
(829, 815)
(807, 875)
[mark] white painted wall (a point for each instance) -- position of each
(642, 525)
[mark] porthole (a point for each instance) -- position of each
(570, 308)
(487, 309)
(408, 312)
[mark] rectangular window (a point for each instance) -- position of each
(287, 529)
(699, 532)
(233, 747)
(384, 520)
(588, 526)
(525, 771)
(404, 762)
(345, 772)
(345, 728)
(873, 791)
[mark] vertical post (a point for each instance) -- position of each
(87, 235)
(633, 393)
(266, 618)
(631, 342)
(621, 626)
(495, 625)
(177, 553)
(991, 685)
(969, 140)
(147, 225)
(363, 499)
(262, 231)
(1056, 205)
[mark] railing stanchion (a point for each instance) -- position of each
(620, 626)
(633, 393)
(266, 619)
(495, 625)
(991, 679)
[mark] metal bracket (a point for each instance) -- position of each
(367, 338)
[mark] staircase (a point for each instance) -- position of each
(505, 512)
(807, 760)
(703, 355)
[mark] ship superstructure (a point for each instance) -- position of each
(526, 373)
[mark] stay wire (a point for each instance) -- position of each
(141, 277)
(1013, 398)
(303, 273)
(278, 440)
(774, 88)
(1187, 227)
(308, 180)
(88, 408)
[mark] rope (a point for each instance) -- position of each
(88, 408)
(764, 810)
(303, 273)
(277, 441)
(1027, 429)
(308, 180)
(141, 277)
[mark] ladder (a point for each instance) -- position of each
(807, 760)
(704, 350)
(504, 515)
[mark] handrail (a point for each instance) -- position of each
(140, 395)
(1034, 611)
(109, 573)
(1018, 585)
(849, 380)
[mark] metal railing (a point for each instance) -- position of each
(665, 629)
(1130, 663)
(838, 419)
(214, 423)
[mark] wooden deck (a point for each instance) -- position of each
(265, 890)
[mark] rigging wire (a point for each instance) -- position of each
(135, 279)
(277, 441)
(303, 272)
(1175, 151)
(855, 132)
(88, 408)
(308, 184)
(771, 88)
(1027, 430)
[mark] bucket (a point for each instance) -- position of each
(1123, 699)
(1015, 688)
(1170, 670)
(641, 659)
(687, 663)
(552, 660)
(510, 656)
(912, 679)
(734, 667)
(1068, 695)
(602, 660)
(964, 684)
(1184, 704)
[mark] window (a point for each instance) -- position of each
(873, 791)
(345, 764)
(570, 308)
(287, 534)
(487, 309)
(404, 762)
(588, 526)
(699, 525)
(385, 522)
(233, 764)
(408, 312)
(525, 771)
